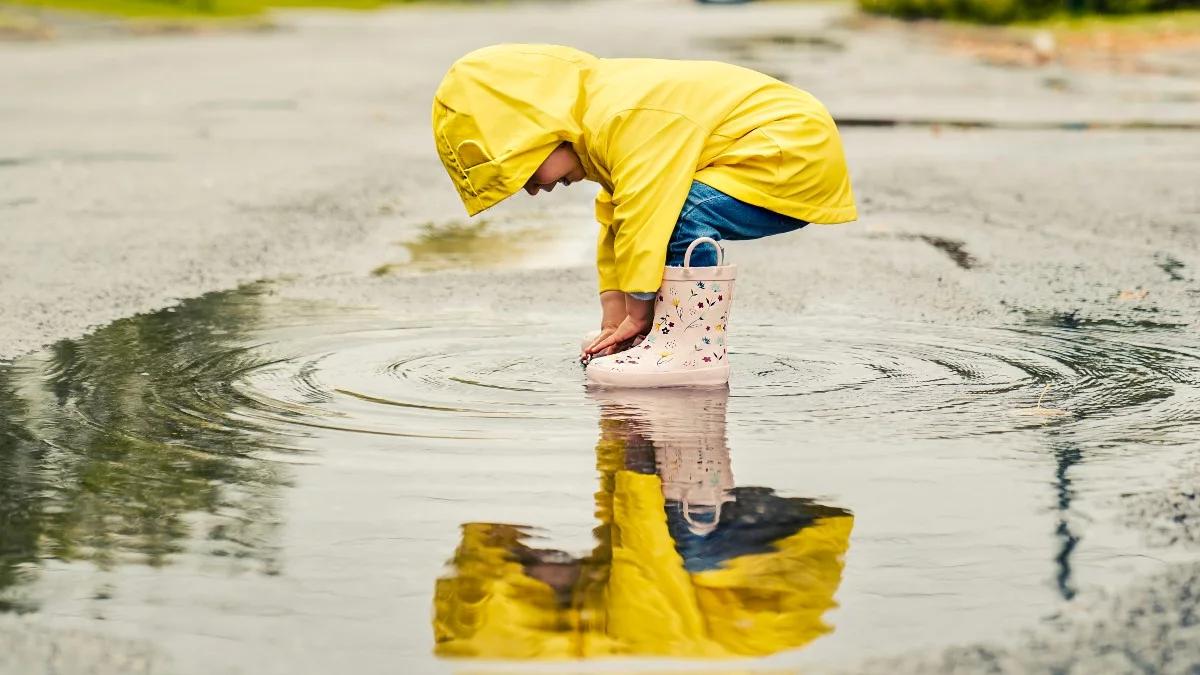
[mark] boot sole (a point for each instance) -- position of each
(705, 377)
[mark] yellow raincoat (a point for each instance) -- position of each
(633, 594)
(644, 129)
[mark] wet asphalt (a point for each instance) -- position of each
(135, 173)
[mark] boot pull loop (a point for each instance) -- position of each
(687, 255)
(697, 527)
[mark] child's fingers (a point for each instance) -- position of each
(599, 344)
(590, 348)
(613, 339)
(595, 349)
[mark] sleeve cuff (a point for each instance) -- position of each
(650, 295)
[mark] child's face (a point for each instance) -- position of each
(561, 167)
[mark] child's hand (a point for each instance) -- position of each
(635, 324)
(587, 354)
(612, 306)
(621, 338)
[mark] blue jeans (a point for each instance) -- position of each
(708, 212)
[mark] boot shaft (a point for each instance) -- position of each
(687, 344)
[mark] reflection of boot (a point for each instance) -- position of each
(685, 427)
(698, 479)
(686, 345)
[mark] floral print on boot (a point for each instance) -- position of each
(687, 343)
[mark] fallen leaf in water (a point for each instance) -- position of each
(1039, 411)
(1042, 412)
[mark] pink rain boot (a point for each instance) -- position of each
(686, 345)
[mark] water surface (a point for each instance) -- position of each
(265, 484)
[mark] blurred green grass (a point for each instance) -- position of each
(1181, 19)
(1059, 12)
(190, 9)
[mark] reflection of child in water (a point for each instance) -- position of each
(686, 563)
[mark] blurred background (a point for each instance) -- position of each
(34, 18)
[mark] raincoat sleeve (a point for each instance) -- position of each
(652, 157)
(606, 261)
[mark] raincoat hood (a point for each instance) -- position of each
(501, 110)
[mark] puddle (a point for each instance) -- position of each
(1159, 96)
(953, 248)
(1016, 125)
(759, 51)
(85, 158)
(246, 471)
(107, 454)
(478, 244)
(1075, 320)
(785, 41)
(1171, 266)
(14, 203)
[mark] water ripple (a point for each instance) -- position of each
(869, 378)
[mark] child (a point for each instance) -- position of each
(682, 150)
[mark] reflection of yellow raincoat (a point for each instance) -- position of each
(633, 595)
(644, 129)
